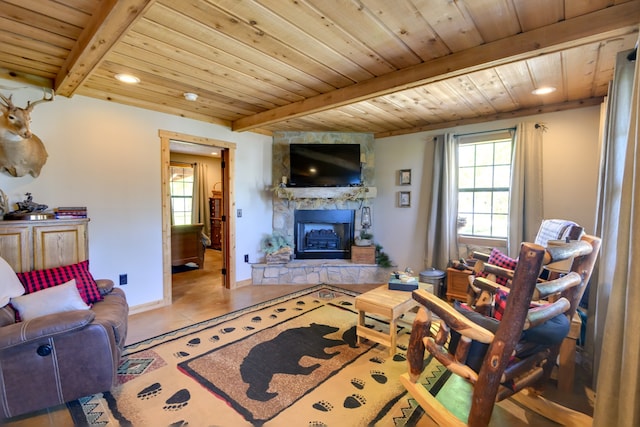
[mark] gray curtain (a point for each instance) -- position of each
(442, 233)
(200, 209)
(525, 203)
(615, 309)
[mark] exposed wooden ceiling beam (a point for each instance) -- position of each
(589, 28)
(553, 108)
(97, 39)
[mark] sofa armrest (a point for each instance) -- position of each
(105, 286)
(44, 326)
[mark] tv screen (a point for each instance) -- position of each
(324, 165)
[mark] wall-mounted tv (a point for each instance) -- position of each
(324, 165)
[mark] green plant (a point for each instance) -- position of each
(272, 243)
(382, 258)
(365, 235)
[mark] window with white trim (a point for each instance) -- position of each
(484, 178)
(181, 185)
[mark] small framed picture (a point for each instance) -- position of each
(404, 199)
(405, 176)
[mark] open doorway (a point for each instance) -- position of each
(204, 237)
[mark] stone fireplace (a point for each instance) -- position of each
(323, 234)
(326, 256)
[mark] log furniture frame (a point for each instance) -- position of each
(525, 377)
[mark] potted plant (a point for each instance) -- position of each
(364, 239)
(276, 248)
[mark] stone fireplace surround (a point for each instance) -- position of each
(285, 202)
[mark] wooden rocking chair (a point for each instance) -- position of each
(505, 370)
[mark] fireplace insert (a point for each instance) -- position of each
(321, 234)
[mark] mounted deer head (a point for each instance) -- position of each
(21, 152)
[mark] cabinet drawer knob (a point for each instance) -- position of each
(44, 350)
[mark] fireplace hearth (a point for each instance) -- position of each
(323, 234)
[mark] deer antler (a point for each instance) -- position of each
(7, 101)
(30, 104)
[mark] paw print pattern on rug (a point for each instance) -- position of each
(354, 401)
(227, 330)
(357, 383)
(214, 338)
(256, 319)
(377, 360)
(193, 342)
(180, 354)
(149, 392)
(323, 406)
(317, 424)
(181, 423)
(248, 328)
(178, 401)
(379, 376)
(399, 357)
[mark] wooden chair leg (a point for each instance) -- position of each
(560, 414)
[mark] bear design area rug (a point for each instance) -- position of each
(289, 361)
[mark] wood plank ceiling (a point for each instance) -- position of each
(380, 66)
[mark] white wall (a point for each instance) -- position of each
(106, 156)
(571, 163)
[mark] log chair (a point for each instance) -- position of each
(502, 375)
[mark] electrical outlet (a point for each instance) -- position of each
(239, 212)
(246, 257)
(123, 279)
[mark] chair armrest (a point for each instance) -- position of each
(451, 317)
(44, 326)
(105, 286)
(544, 289)
(538, 315)
(488, 285)
(480, 256)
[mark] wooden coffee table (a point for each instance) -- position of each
(384, 302)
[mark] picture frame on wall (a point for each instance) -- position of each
(404, 199)
(405, 177)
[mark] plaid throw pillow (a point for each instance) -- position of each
(501, 260)
(500, 304)
(37, 280)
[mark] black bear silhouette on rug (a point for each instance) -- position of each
(282, 355)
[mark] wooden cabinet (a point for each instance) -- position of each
(215, 210)
(36, 245)
(457, 284)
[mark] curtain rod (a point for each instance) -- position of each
(486, 131)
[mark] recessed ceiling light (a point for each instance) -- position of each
(190, 96)
(127, 78)
(543, 90)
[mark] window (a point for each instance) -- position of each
(181, 193)
(484, 176)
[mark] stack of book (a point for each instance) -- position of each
(71, 212)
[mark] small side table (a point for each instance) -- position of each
(384, 302)
(457, 284)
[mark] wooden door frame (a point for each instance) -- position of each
(228, 227)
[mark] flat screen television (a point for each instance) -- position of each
(324, 165)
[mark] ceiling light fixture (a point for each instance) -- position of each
(189, 96)
(127, 78)
(543, 90)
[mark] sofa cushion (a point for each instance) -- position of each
(10, 285)
(56, 299)
(41, 279)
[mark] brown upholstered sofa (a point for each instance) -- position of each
(57, 358)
